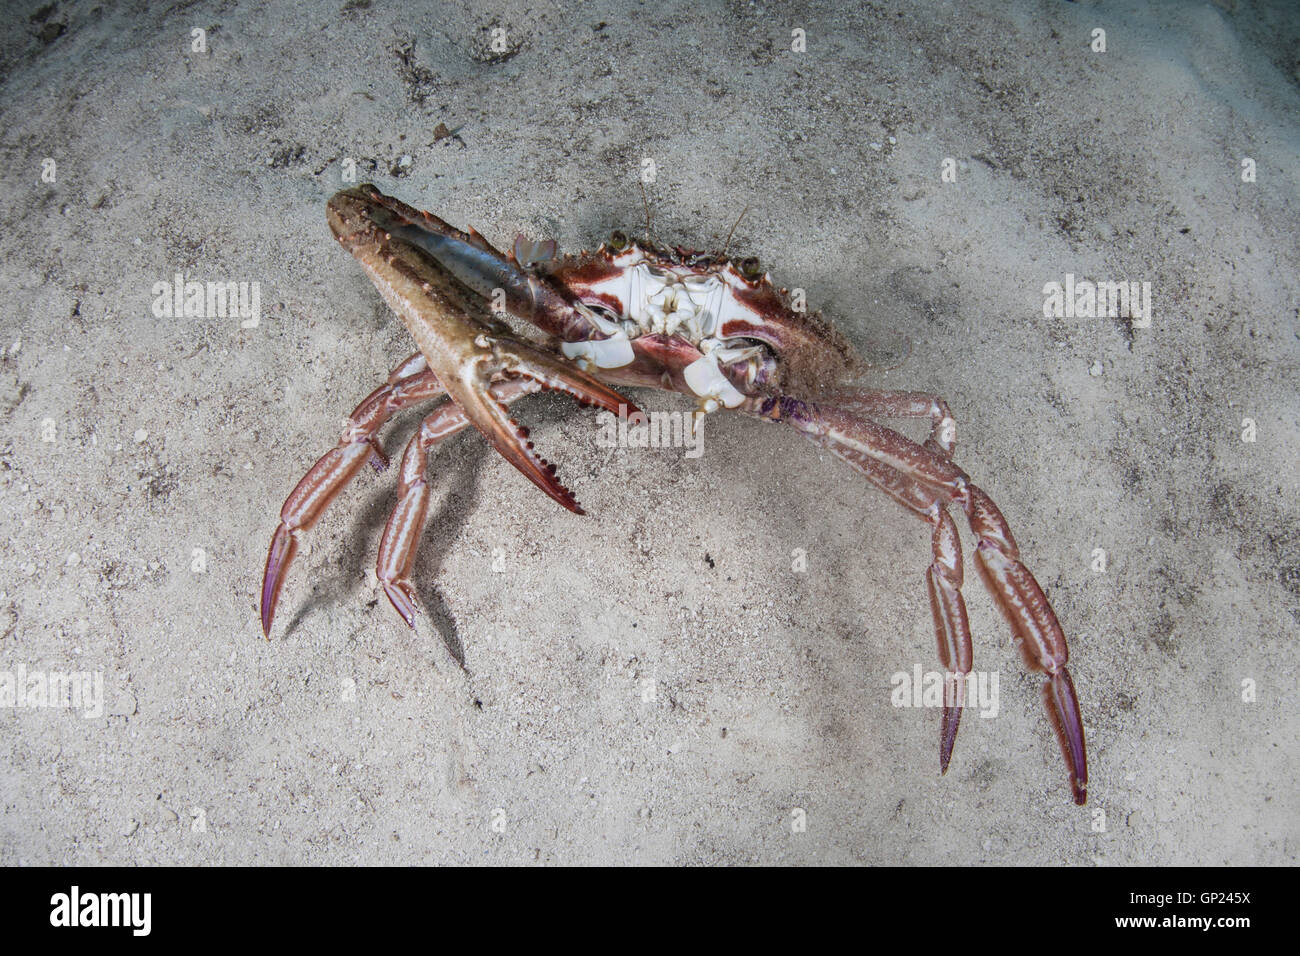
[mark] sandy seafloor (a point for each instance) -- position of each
(348, 738)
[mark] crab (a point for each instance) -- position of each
(638, 314)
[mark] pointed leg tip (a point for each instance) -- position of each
(403, 601)
(1063, 708)
(268, 608)
(948, 736)
(283, 548)
(270, 598)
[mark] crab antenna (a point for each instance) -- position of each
(725, 245)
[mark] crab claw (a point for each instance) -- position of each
(426, 270)
(469, 390)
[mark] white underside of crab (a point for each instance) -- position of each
(613, 352)
(671, 300)
(707, 381)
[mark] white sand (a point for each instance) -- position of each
(348, 738)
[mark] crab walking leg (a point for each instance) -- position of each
(943, 579)
(1033, 622)
(877, 403)
(405, 525)
(409, 383)
(944, 576)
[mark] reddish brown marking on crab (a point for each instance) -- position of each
(675, 319)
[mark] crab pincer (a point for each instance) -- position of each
(434, 277)
(468, 387)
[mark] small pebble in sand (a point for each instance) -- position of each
(1096, 368)
(140, 435)
(74, 559)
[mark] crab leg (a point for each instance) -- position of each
(1033, 622)
(878, 403)
(409, 383)
(944, 576)
(427, 273)
(405, 524)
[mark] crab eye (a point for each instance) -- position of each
(618, 241)
(750, 269)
